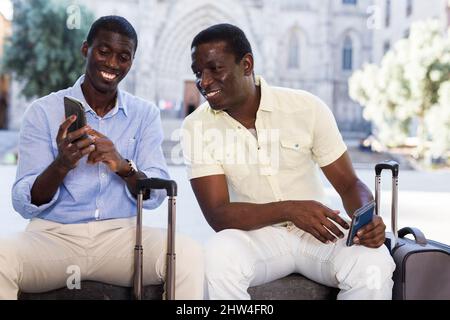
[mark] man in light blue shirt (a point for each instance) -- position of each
(79, 188)
(89, 192)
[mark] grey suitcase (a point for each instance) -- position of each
(422, 266)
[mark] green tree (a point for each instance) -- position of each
(408, 94)
(44, 49)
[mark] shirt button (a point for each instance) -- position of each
(103, 175)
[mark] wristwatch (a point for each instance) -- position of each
(131, 171)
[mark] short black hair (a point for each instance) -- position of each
(115, 24)
(235, 38)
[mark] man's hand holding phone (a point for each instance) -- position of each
(366, 229)
(72, 146)
(371, 235)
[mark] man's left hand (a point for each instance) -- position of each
(372, 234)
(105, 152)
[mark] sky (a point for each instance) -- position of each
(6, 9)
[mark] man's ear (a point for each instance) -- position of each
(84, 48)
(247, 62)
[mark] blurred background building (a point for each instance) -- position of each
(310, 45)
(303, 44)
(396, 17)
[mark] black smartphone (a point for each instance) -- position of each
(73, 106)
(361, 217)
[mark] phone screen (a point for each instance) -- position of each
(361, 217)
(74, 107)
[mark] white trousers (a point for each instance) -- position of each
(46, 254)
(236, 260)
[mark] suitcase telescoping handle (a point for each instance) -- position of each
(171, 188)
(394, 167)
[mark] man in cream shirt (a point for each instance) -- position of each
(253, 153)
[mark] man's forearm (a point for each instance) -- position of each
(247, 216)
(47, 183)
(356, 196)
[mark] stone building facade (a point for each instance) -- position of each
(307, 44)
(394, 19)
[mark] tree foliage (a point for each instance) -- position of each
(44, 49)
(409, 93)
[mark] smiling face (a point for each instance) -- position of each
(109, 59)
(220, 79)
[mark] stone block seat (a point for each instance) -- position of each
(292, 287)
(92, 290)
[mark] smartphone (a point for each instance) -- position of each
(73, 106)
(361, 217)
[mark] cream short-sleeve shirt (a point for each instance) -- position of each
(295, 134)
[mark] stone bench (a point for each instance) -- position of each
(293, 287)
(92, 290)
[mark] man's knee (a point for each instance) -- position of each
(7, 252)
(189, 255)
(226, 253)
(370, 266)
(8, 256)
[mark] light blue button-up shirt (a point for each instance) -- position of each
(89, 192)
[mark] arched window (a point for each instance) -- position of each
(386, 46)
(387, 16)
(293, 52)
(347, 54)
(409, 7)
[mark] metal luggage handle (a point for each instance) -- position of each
(394, 167)
(388, 164)
(419, 237)
(156, 183)
(171, 188)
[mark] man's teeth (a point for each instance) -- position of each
(108, 76)
(212, 93)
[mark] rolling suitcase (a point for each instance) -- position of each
(422, 266)
(142, 186)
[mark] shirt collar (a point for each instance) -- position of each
(77, 93)
(267, 100)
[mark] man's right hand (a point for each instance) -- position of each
(315, 218)
(69, 151)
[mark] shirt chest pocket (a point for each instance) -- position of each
(127, 147)
(293, 153)
(131, 148)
